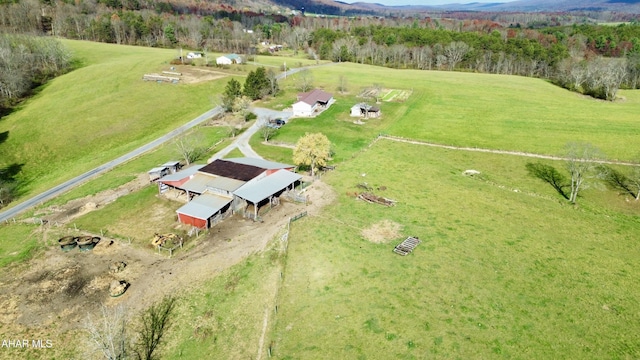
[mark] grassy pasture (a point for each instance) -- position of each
(224, 318)
(487, 111)
(499, 273)
(18, 242)
(97, 112)
(130, 170)
(137, 216)
(346, 137)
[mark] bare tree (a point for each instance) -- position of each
(377, 92)
(455, 52)
(613, 76)
(107, 334)
(633, 70)
(342, 84)
(235, 123)
(441, 61)
(267, 131)
(304, 80)
(582, 166)
(296, 38)
(191, 147)
(154, 322)
(273, 82)
(604, 77)
(241, 106)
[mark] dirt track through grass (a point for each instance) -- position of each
(493, 151)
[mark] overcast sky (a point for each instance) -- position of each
(426, 2)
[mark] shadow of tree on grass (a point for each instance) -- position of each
(10, 187)
(620, 182)
(550, 175)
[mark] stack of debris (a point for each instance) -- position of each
(372, 198)
(166, 240)
(117, 267)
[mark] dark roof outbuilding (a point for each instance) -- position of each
(315, 96)
(232, 170)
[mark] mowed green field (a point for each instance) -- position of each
(488, 111)
(499, 273)
(97, 113)
(507, 268)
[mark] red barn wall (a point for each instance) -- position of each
(186, 219)
(271, 171)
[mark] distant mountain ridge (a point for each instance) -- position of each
(550, 5)
(626, 6)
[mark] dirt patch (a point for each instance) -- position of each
(196, 74)
(59, 215)
(383, 232)
(319, 195)
(57, 290)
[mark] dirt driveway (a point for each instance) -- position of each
(57, 290)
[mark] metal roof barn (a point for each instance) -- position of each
(199, 211)
(267, 187)
(199, 183)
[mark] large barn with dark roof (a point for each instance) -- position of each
(226, 186)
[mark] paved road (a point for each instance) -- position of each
(66, 186)
(242, 142)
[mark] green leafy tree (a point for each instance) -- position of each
(170, 34)
(313, 150)
(257, 84)
(232, 91)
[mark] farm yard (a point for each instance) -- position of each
(505, 266)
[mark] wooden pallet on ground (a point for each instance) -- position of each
(406, 246)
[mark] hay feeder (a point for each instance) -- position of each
(118, 287)
(67, 243)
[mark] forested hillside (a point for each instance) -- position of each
(583, 56)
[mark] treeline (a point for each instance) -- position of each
(594, 60)
(27, 62)
(200, 25)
